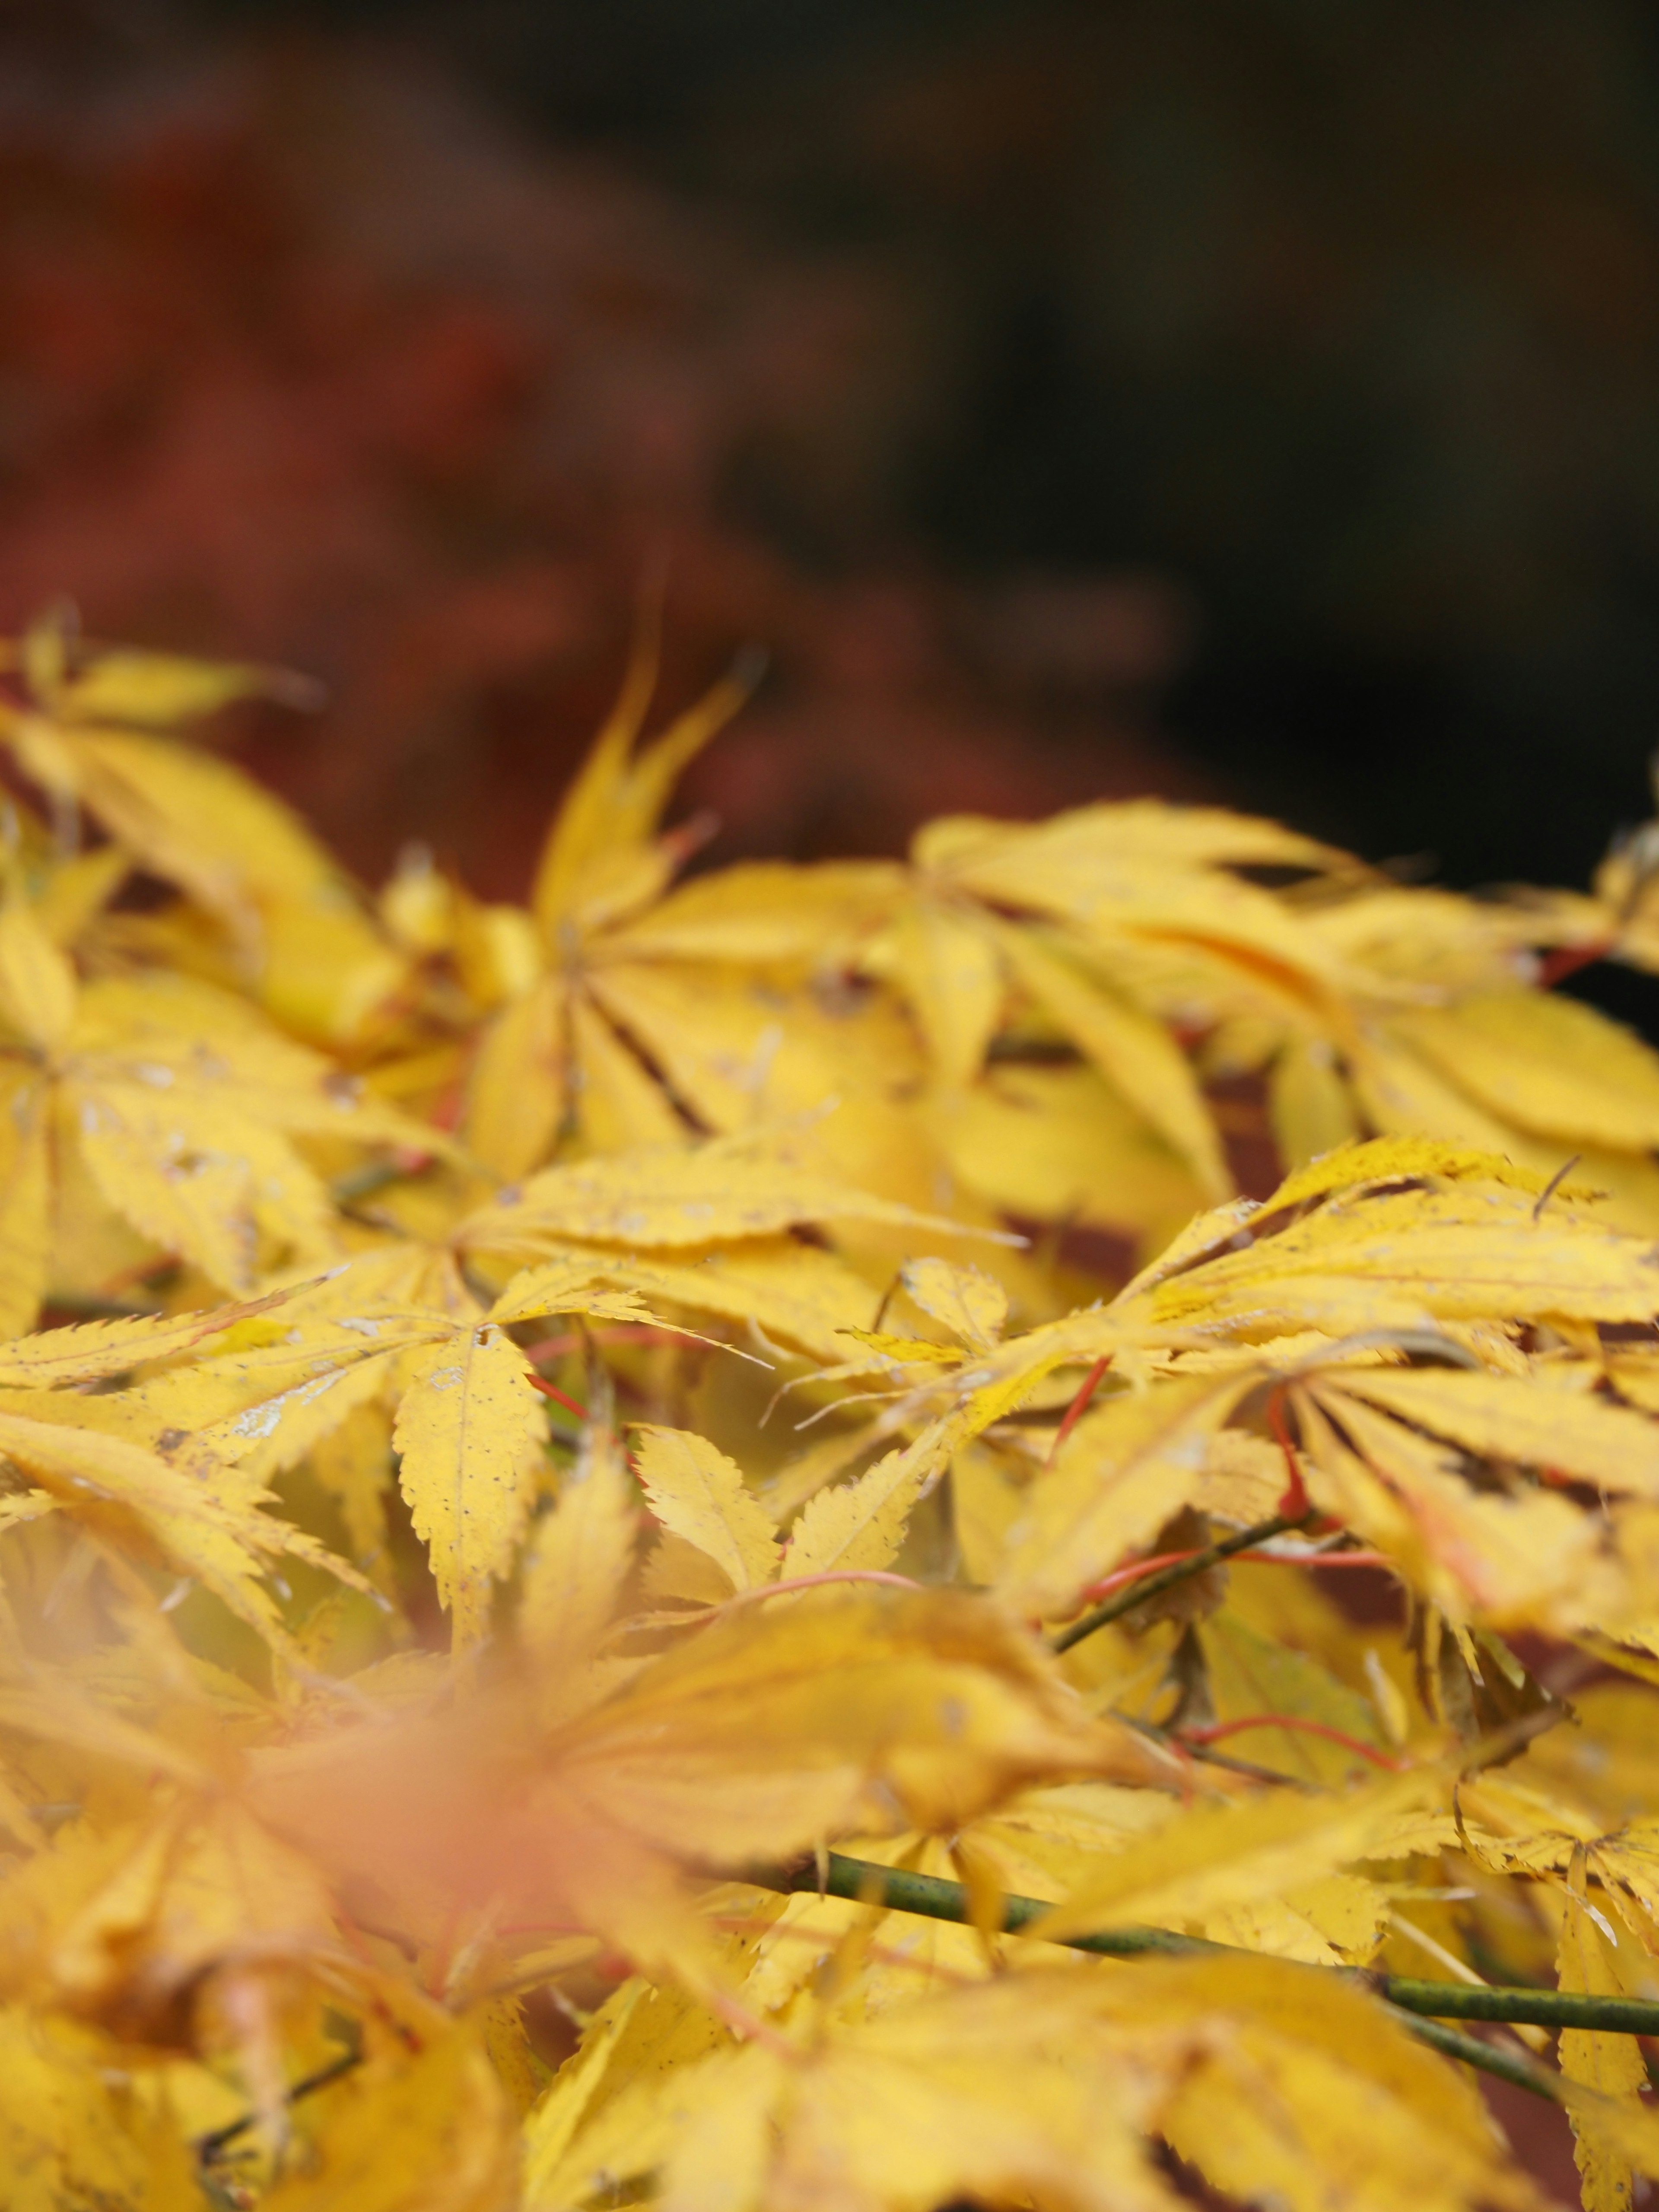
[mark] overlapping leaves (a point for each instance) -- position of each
(629, 1468)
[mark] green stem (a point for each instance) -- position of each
(1511, 2066)
(1136, 1594)
(1530, 2008)
(897, 1889)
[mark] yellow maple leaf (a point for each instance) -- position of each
(182, 1104)
(469, 1433)
(89, 734)
(696, 1491)
(1226, 1855)
(71, 2135)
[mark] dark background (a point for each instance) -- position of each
(1344, 316)
(1143, 394)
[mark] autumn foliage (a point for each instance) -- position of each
(599, 1494)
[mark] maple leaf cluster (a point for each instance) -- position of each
(597, 1607)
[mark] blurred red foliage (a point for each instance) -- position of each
(306, 360)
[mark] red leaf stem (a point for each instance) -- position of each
(1214, 1731)
(1121, 1576)
(540, 1383)
(1079, 1405)
(1294, 1502)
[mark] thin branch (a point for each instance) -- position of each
(1138, 1570)
(897, 1889)
(1270, 1775)
(1535, 2039)
(210, 2146)
(1524, 2007)
(1555, 1183)
(1511, 2066)
(1126, 1601)
(1248, 1768)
